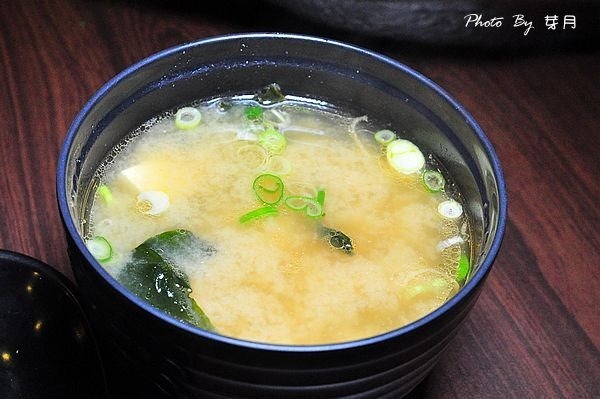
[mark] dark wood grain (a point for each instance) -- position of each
(535, 332)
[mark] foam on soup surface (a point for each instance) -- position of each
(308, 233)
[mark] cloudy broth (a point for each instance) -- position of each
(270, 208)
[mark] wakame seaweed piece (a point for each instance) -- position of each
(224, 105)
(153, 275)
(338, 240)
(269, 94)
(180, 244)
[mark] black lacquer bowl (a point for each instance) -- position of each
(47, 349)
(150, 352)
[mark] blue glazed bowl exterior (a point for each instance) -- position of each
(147, 352)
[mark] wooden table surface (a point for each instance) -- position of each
(535, 331)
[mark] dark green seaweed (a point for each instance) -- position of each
(338, 240)
(270, 94)
(153, 275)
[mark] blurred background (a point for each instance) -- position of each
(486, 24)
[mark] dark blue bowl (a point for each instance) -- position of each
(148, 350)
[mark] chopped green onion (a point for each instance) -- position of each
(276, 116)
(187, 118)
(448, 242)
(321, 198)
(270, 94)
(153, 203)
(253, 113)
(104, 192)
(464, 269)
(313, 208)
(296, 202)
(278, 164)
(435, 287)
(258, 213)
(268, 188)
(272, 141)
(301, 188)
(434, 181)
(384, 137)
(252, 156)
(100, 248)
(246, 135)
(310, 205)
(405, 156)
(415, 290)
(450, 209)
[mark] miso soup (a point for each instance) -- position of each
(280, 220)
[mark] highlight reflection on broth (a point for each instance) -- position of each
(271, 219)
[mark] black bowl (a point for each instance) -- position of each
(173, 359)
(46, 343)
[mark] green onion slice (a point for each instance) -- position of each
(277, 117)
(464, 269)
(433, 180)
(385, 136)
(405, 156)
(187, 118)
(310, 205)
(278, 164)
(253, 113)
(100, 248)
(301, 188)
(297, 202)
(268, 188)
(272, 141)
(435, 287)
(313, 208)
(253, 156)
(267, 210)
(450, 209)
(104, 192)
(321, 198)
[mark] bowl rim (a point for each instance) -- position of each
(42, 269)
(471, 285)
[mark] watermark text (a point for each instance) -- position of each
(520, 21)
